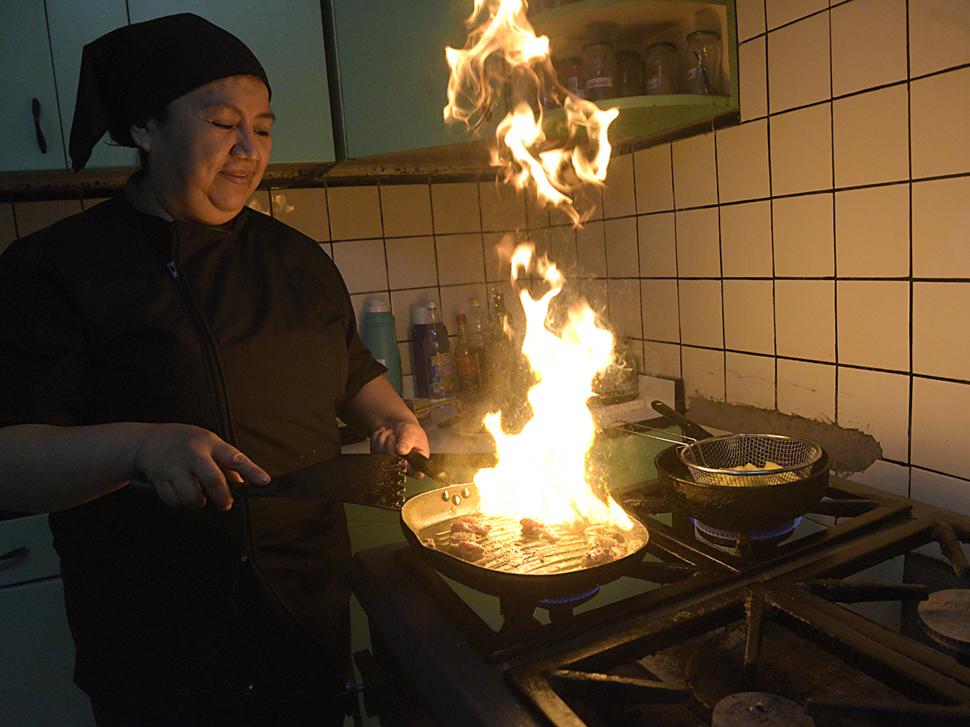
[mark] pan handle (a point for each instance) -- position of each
(691, 429)
(422, 464)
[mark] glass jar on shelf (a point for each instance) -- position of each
(572, 76)
(703, 72)
(629, 73)
(660, 68)
(599, 65)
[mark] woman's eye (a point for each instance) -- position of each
(221, 124)
(263, 132)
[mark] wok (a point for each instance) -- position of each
(748, 508)
(430, 514)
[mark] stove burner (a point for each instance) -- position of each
(573, 600)
(729, 538)
(945, 617)
(759, 709)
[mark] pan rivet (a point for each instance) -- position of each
(466, 493)
(456, 500)
(445, 495)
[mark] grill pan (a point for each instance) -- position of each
(550, 570)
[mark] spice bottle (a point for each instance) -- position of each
(703, 62)
(467, 364)
(438, 360)
(660, 68)
(599, 65)
(629, 73)
(573, 77)
(377, 333)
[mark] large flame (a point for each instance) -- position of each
(541, 471)
(503, 50)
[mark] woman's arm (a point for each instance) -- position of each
(378, 410)
(45, 468)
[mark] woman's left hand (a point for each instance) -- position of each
(400, 440)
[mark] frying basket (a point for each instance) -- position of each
(717, 460)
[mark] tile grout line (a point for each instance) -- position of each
(771, 219)
(835, 254)
(912, 287)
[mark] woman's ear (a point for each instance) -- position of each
(142, 137)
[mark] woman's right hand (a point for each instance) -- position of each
(188, 465)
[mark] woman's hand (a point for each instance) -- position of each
(188, 465)
(400, 440)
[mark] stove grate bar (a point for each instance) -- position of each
(898, 713)
(841, 591)
(754, 609)
(613, 686)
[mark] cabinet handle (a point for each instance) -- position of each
(15, 554)
(41, 141)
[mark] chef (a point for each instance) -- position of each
(174, 335)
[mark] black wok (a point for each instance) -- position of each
(748, 508)
(435, 509)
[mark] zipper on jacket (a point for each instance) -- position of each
(216, 380)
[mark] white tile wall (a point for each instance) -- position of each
(806, 389)
(801, 150)
(746, 239)
(873, 323)
(658, 246)
(868, 44)
(939, 35)
(803, 236)
(866, 151)
(695, 181)
(940, 118)
(752, 79)
(749, 321)
(941, 228)
(698, 249)
(798, 64)
(872, 231)
(871, 402)
(750, 380)
(742, 162)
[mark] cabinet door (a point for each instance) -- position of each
(71, 28)
(26, 73)
(37, 659)
(392, 72)
(287, 37)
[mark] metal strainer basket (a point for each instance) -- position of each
(718, 460)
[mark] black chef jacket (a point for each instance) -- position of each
(247, 330)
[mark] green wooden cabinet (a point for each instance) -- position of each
(287, 37)
(391, 68)
(70, 29)
(26, 73)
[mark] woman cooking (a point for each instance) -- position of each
(173, 335)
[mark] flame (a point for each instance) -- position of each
(541, 471)
(502, 48)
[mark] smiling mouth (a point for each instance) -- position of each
(241, 178)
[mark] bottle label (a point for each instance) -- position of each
(600, 82)
(441, 381)
(467, 372)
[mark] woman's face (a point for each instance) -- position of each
(208, 155)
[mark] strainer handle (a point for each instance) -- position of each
(691, 429)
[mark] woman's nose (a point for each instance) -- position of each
(245, 145)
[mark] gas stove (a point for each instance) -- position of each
(855, 614)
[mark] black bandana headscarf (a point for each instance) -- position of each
(139, 69)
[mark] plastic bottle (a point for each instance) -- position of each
(437, 351)
(467, 362)
(477, 336)
(419, 329)
(377, 333)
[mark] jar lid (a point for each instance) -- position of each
(702, 33)
(666, 45)
(377, 305)
(590, 44)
